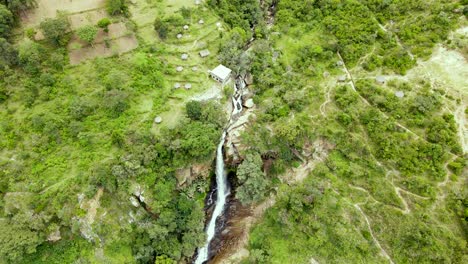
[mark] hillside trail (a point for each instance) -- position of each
(377, 243)
(327, 100)
(353, 86)
(357, 206)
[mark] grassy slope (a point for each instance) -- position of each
(410, 224)
(59, 172)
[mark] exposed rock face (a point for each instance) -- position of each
(248, 79)
(86, 222)
(54, 236)
(233, 143)
(187, 175)
(249, 103)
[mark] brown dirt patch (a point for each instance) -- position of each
(87, 18)
(49, 8)
(116, 47)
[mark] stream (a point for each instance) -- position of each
(222, 188)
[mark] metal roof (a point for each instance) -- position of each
(221, 71)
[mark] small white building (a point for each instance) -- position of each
(204, 53)
(221, 74)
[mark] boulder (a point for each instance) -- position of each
(54, 236)
(380, 79)
(400, 94)
(182, 175)
(249, 103)
(342, 78)
(248, 79)
(134, 201)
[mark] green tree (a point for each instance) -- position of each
(56, 29)
(30, 56)
(6, 20)
(198, 140)
(161, 27)
(8, 54)
(116, 7)
(194, 110)
(19, 236)
(17, 6)
(253, 183)
(87, 33)
(116, 102)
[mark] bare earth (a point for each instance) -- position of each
(49, 8)
(117, 47)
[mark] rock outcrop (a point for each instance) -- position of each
(188, 174)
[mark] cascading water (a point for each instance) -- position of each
(222, 193)
(221, 177)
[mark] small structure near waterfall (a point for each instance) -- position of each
(221, 74)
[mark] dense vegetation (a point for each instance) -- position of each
(388, 155)
(73, 141)
(84, 177)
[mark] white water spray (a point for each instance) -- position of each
(221, 179)
(222, 193)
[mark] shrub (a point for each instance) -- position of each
(56, 29)
(104, 24)
(87, 33)
(6, 21)
(194, 110)
(117, 7)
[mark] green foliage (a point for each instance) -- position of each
(104, 24)
(17, 6)
(457, 166)
(185, 12)
(116, 102)
(243, 14)
(6, 21)
(87, 33)
(20, 235)
(232, 54)
(253, 184)
(208, 112)
(117, 7)
(198, 140)
(30, 56)
(56, 29)
(194, 110)
(8, 54)
(168, 26)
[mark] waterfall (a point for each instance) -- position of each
(221, 177)
(222, 193)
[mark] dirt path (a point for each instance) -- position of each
(353, 86)
(460, 119)
(377, 243)
(327, 100)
